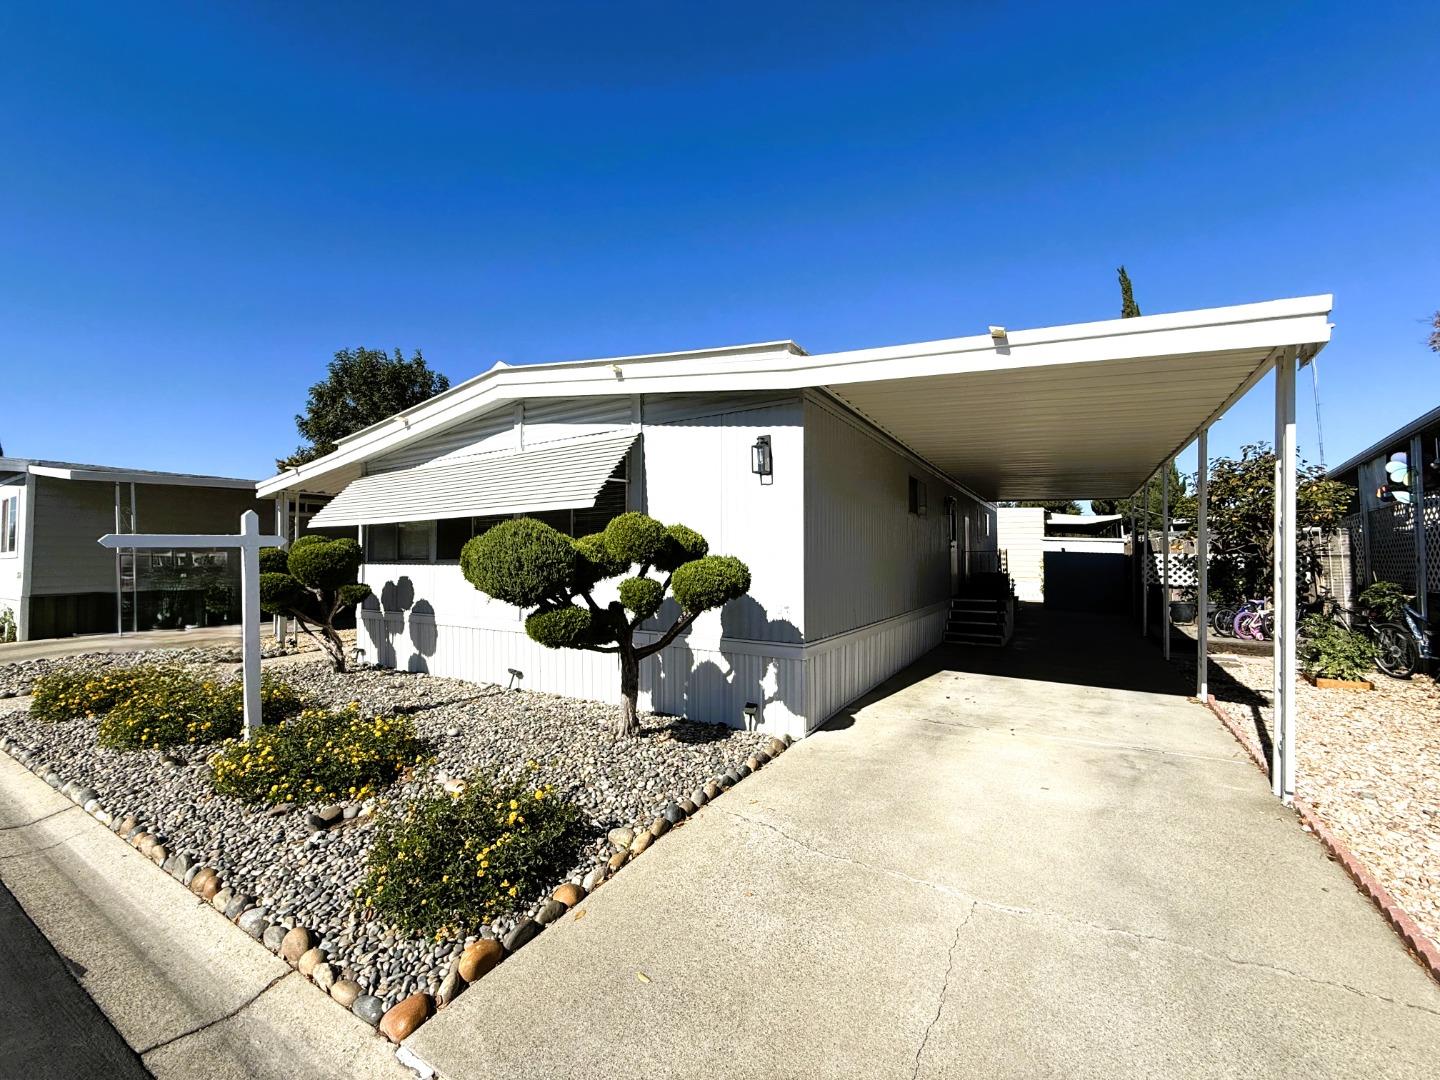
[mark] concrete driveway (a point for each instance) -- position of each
(1035, 862)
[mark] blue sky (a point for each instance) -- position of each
(199, 204)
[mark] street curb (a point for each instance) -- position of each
(1421, 947)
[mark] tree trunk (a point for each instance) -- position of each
(628, 724)
(335, 647)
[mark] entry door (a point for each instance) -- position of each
(952, 513)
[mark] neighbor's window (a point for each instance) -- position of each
(917, 497)
(9, 524)
(451, 534)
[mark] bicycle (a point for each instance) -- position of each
(1400, 646)
(1254, 620)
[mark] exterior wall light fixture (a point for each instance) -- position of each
(762, 462)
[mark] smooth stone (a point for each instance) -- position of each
(732, 776)
(753, 764)
(621, 838)
(595, 876)
(201, 879)
(140, 840)
(315, 823)
(712, 791)
(221, 900)
(741, 771)
(479, 958)
(239, 903)
(345, 991)
(549, 912)
(369, 1008)
(526, 930)
(674, 813)
(181, 866)
(190, 872)
(762, 757)
(309, 960)
(659, 827)
(643, 841)
(169, 865)
(569, 894)
(158, 854)
(775, 747)
(330, 814)
(323, 976)
(618, 860)
(253, 922)
(699, 797)
(407, 1015)
(688, 807)
(280, 809)
(273, 937)
(210, 888)
(296, 944)
(450, 988)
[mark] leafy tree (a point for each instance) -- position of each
(312, 583)
(1182, 500)
(531, 565)
(1128, 308)
(362, 387)
(1241, 520)
(1050, 506)
(1434, 339)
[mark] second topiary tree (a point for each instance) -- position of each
(312, 583)
(531, 565)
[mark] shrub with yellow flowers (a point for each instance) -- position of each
(322, 755)
(454, 862)
(149, 706)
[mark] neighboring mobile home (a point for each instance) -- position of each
(877, 499)
(57, 580)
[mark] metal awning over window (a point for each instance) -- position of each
(563, 476)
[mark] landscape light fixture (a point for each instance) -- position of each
(762, 462)
(752, 710)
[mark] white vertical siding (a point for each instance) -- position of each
(1022, 538)
(12, 563)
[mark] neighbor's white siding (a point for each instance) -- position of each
(12, 563)
(693, 467)
(878, 578)
(1022, 538)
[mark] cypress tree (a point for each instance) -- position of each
(1128, 308)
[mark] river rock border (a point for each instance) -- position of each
(296, 945)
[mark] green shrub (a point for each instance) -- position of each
(1385, 599)
(1330, 651)
(709, 582)
(454, 862)
(155, 706)
(7, 625)
(634, 538)
(67, 695)
(319, 756)
(594, 563)
(642, 596)
(520, 561)
(682, 544)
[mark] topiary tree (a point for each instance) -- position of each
(531, 565)
(312, 583)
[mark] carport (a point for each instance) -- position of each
(1098, 410)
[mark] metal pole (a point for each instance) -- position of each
(1145, 563)
(1422, 553)
(1165, 561)
(1202, 570)
(1283, 768)
(134, 567)
(119, 580)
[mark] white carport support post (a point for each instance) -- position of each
(1165, 561)
(1422, 554)
(1282, 766)
(1145, 563)
(1202, 569)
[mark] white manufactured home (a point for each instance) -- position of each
(858, 486)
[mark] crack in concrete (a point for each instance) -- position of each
(1070, 920)
(37, 850)
(944, 990)
(218, 1020)
(42, 817)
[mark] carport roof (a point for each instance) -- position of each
(1077, 411)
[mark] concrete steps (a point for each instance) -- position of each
(979, 621)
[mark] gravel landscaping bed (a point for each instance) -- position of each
(16, 678)
(305, 877)
(1369, 764)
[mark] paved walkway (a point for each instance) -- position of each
(47, 648)
(1036, 862)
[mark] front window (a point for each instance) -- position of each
(9, 525)
(405, 541)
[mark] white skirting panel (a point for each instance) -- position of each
(840, 669)
(708, 685)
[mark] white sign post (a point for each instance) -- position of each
(249, 542)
